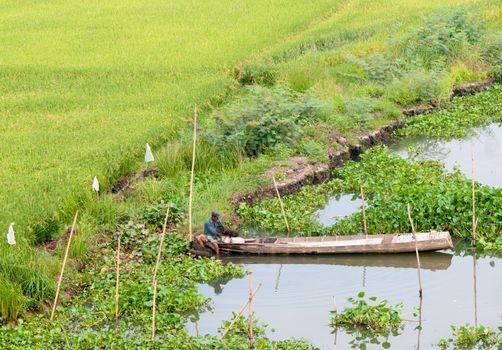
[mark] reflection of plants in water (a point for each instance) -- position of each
(471, 337)
(369, 321)
(362, 337)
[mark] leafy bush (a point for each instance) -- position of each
(378, 67)
(446, 34)
(264, 118)
(154, 214)
(315, 151)
(415, 87)
(492, 50)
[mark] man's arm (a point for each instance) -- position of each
(219, 227)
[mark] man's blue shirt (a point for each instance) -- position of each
(211, 228)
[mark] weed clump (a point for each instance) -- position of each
(371, 314)
(471, 337)
(443, 36)
(252, 74)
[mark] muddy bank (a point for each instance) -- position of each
(297, 172)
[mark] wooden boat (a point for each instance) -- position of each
(386, 243)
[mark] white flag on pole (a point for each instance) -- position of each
(95, 184)
(11, 238)
(148, 154)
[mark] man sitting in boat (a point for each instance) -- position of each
(213, 229)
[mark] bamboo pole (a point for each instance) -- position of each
(60, 280)
(281, 204)
(190, 233)
(278, 278)
(473, 206)
(156, 269)
(239, 313)
(474, 269)
(416, 251)
(365, 226)
(117, 288)
(419, 327)
(251, 338)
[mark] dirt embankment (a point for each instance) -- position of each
(297, 172)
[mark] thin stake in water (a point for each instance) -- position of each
(251, 338)
(278, 278)
(473, 205)
(117, 273)
(281, 204)
(365, 226)
(190, 233)
(156, 269)
(60, 280)
(474, 269)
(416, 250)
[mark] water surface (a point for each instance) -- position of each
(485, 143)
(297, 294)
(338, 207)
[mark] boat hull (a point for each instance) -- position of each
(358, 244)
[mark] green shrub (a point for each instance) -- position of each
(265, 75)
(444, 35)
(301, 80)
(154, 214)
(315, 151)
(378, 67)
(264, 118)
(414, 87)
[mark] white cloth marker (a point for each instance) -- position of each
(95, 184)
(11, 238)
(148, 154)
